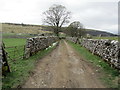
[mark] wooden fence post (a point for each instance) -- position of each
(5, 66)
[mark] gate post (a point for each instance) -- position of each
(4, 63)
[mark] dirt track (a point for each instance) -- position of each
(63, 68)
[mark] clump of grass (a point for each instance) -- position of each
(21, 69)
(109, 75)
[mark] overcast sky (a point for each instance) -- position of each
(94, 14)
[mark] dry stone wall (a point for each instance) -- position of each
(109, 50)
(35, 44)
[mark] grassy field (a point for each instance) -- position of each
(14, 47)
(9, 42)
(15, 35)
(30, 29)
(20, 68)
(109, 75)
(110, 38)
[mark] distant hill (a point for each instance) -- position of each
(97, 33)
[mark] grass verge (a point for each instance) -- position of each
(21, 69)
(109, 76)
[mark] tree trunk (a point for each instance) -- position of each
(57, 31)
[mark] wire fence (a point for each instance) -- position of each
(15, 52)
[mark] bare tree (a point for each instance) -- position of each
(76, 29)
(56, 16)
